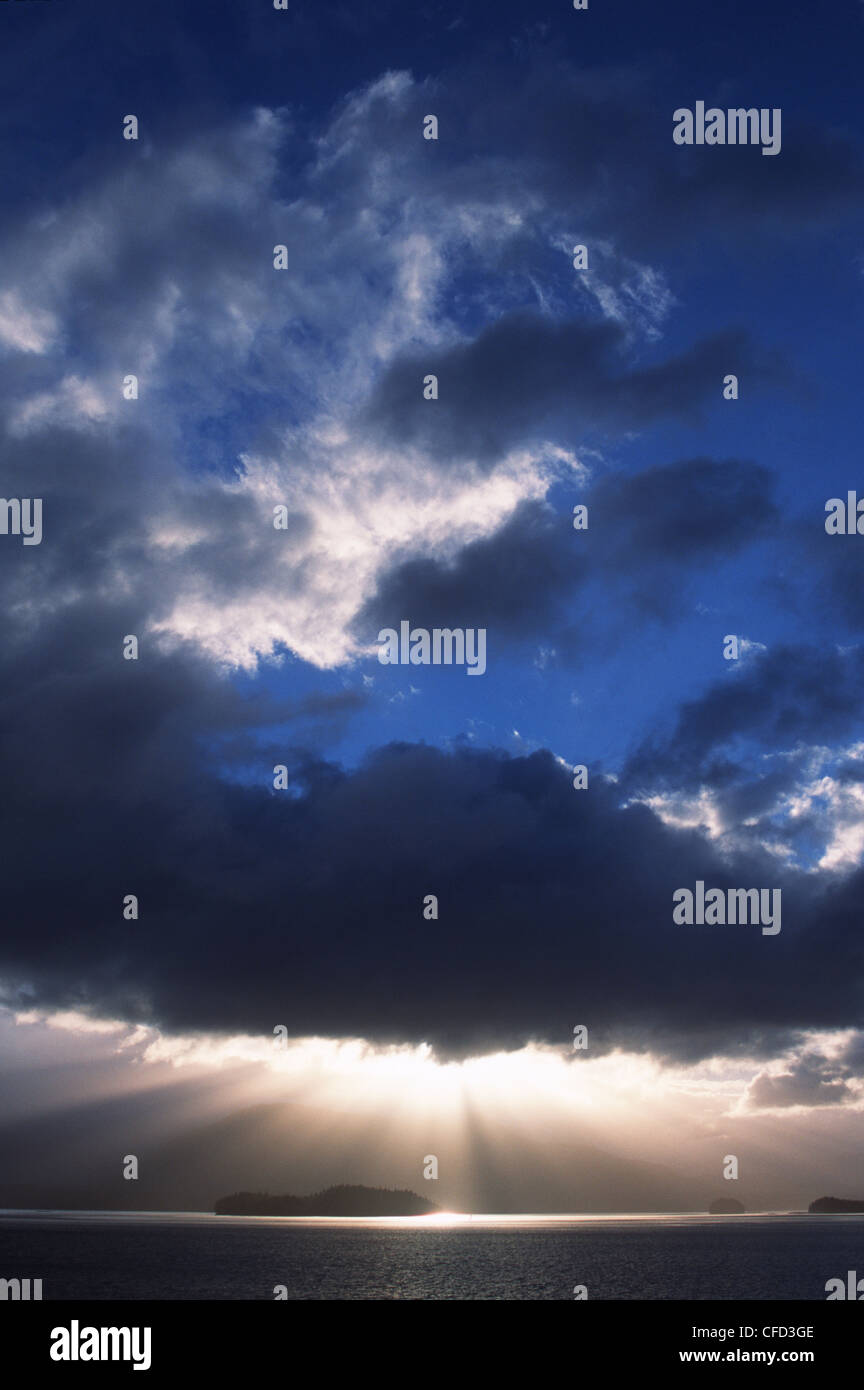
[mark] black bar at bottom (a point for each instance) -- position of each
(410, 1340)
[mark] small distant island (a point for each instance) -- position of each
(726, 1206)
(334, 1201)
(837, 1204)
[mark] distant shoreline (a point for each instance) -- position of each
(204, 1214)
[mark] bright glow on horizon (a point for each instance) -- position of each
(540, 1122)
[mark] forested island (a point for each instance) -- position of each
(334, 1201)
(726, 1206)
(837, 1205)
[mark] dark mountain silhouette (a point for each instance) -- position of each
(837, 1204)
(335, 1201)
(726, 1206)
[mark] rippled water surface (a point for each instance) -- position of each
(86, 1255)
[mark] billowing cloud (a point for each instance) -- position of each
(525, 375)
(324, 885)
(302, 390)
(811, 1080)
(645, 533)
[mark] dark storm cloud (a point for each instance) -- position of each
(106, 496)
(526, 374)
(780, 698)
(817, 184)
(646, 531)
(766, 744)
(516, 580)
(305, 907)
(691, 510)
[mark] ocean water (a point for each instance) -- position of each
(187, 1255)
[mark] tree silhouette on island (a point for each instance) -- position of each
(348, 1200)
(343, 1200)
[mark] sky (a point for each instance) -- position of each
(284, 955)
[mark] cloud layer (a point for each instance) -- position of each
(302, 389)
